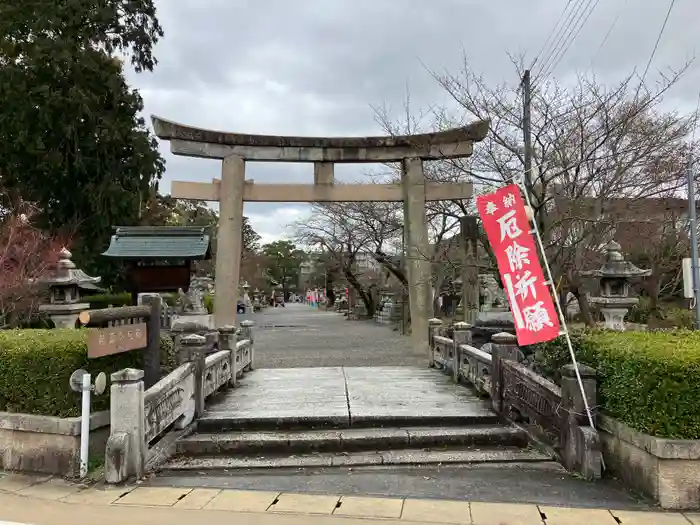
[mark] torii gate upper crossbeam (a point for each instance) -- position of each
(232, 190)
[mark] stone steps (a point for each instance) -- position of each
(291, 420)
(349, 440)
(494, 456)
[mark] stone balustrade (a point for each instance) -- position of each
(144, 424)
(550, 414)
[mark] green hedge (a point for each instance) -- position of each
(35, 366)
(648, 380)
(97, 302)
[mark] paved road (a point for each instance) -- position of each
(299, 336)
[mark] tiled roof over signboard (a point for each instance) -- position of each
(160, 242)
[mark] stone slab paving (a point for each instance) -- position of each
(301, 336)
(345, 396)
(226, 506)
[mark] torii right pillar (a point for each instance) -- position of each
(416, 244)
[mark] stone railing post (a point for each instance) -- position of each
(503, 346)
(125, 453)
(462, 336)
(227, 341)
(581, 443)
(247, 330)
(195, 347)
(434, 326)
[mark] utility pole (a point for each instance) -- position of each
(527, 129)
(693, 239)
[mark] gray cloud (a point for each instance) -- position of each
(315, 67)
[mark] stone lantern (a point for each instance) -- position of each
(65, 286)
(246, 297)
(614, 301)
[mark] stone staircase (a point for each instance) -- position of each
(436, 423)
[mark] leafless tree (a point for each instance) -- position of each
(27, 256)
(593, 148)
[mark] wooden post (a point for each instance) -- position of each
(470, 269)
(151, 354)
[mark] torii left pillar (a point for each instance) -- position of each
(417, 258)
(229, 240)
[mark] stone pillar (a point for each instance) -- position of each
(195, 346)
(504, 346)
(581, 444)
(417, 256)
(508, 346)
(247, 330)
(227, 341)
(462, 336)
(229, 239)
(434, 326)
(125, 454)
(470, 270)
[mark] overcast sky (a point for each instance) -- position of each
(316, 67)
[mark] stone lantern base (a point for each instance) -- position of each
(64, 315)
(614, 318)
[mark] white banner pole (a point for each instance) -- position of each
(562, 321)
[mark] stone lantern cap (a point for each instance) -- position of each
(615, 265)
(66, 274)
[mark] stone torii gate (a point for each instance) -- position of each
(234, 149)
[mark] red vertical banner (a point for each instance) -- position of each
(508, 230)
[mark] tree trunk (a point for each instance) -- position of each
(364, 295)
(583, 306)
(330, 293)
(393, 269)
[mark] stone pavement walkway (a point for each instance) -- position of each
(300, 336)
(348, 396)
(39, 501)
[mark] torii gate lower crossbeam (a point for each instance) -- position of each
(232, 190)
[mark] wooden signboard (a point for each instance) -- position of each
(116, 339)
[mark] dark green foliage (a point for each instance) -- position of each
(648, 380)
(71, 138)
(283, 260)
(97, 302)
(208, 301)
(35, 366)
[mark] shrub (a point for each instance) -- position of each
(648, 380)
(680, 317)
(97, 302)
(640, 312)
(170, 298)
(208, 302)
(35, 366)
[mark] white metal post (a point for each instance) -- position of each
(562, 320)
(85, 425)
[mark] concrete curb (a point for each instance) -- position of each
(397, 509)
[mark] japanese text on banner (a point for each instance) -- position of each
(508, 230)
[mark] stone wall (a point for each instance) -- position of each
(668, 470)
(46, 444)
